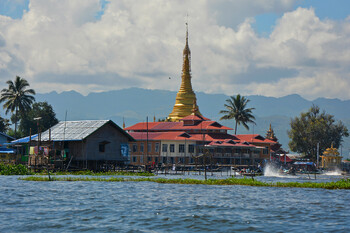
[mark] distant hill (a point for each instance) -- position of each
(135, 104)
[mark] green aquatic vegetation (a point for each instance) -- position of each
(92, 173)
(69, 178)
(10, 169)
(341, 184)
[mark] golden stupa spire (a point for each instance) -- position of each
(270, 134)
(185, 97)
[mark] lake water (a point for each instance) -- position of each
(27, 206)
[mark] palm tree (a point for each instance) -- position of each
(236, 108)
(17, 97)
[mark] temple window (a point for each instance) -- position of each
(191, 148)
(172, 148)
(134, 147)
(141, 147)
(164, 147)
(181, 148)
(266, 151)
(156, 147)
(149, 147)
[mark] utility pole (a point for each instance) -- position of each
(318, 153)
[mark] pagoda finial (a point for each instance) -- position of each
(186, 96)
(187, 31)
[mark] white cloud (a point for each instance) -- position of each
(62, 45)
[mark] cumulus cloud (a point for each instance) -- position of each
(63, 45)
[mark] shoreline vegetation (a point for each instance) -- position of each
(341, 184)
(88, 175)
(12, 170)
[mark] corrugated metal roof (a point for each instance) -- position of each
(72, 130)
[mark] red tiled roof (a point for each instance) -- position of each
(251, 138)
(213, 137)
(172, 126)
(142, 126)
(195, 118)
(157, 136)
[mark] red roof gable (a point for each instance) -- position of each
(227, 144)
(251, 138)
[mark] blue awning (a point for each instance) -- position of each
(6, 151)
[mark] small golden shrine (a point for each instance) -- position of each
(330, 158)
(271, 134)
(186, 96)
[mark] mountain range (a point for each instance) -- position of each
(135, 104)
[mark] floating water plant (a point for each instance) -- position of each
(92, 173)
(10, 169)
(341, 184)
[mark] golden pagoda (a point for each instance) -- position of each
(185, 97)
(330, 158)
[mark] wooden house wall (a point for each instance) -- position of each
(3, 139)
(89, 148)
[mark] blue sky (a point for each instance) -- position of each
(265, 47)
(324, 9)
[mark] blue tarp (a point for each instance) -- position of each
(305, 163)
(21, 140)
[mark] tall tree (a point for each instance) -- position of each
(4, 125)
(18, 99)
(315, 127)
(236, 108)
(41, 110)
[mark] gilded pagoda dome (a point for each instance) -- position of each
(331, 151)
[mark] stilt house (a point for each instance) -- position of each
(89, 144)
